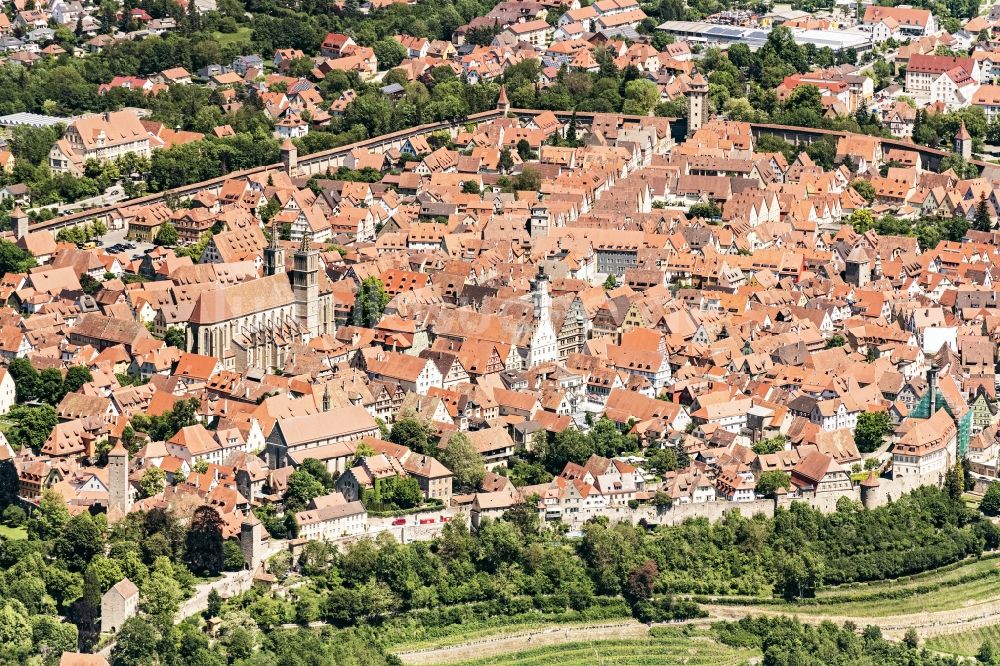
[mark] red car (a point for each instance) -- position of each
(399, 521)
(426, 521)
(445, 519)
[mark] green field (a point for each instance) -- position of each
(669, 648)
(935, 576)
(12, 533)
(241, 35)
(939, 590)
(966, 643)
(948, 597)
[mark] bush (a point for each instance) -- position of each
(991, 500)
(14, 516)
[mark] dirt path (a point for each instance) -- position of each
(491, 646)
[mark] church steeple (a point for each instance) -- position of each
(274, 254)
(305, 285)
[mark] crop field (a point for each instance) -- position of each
(966, 643)
(667, 648)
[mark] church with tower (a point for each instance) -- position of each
(254, 324)
(544, 346)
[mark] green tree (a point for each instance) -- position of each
(769, 482)
(570, 445)
(79, 542)
(152, 482)
(982, 221)
(137, 643)
(32, 425)
(302, 487)
(369, 302)
(870, 432)
(167, 235)
(76, 377)
(411, 432)
(991, 500)
(954, 481)
(529, 180)
(864, 188)
(389, 53)
(175, 337)
(641, 95)
(986, 653)
(835, 340)
(50, 518)
(464, 461)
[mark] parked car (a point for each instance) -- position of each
(427, 521)
(399, 521)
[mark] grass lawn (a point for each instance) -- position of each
(241, 35)
(966, 643)
(13, 533)
(668, 648)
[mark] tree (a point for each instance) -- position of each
(772, 445)
(213, 607)
(662, 501)
(204, 552)
(411, 433)
(639, 586)
(864, 188)
(870, 432)
(152, 482)
(167, 235)
(389, 53)
(470, 187)
(954, 481)
(985, 655)
(705, 210)
(79, 542)
(370, 302)
(610, 282)
(76, 377)
(570, 445)
(641, 95)
(302, 487)
(991, 500)
(835, 340)
(175, 337)
(529, 180)
(137, 643)
(506, 161)
(86, 611)
(769, 482)
(15, 260)
(982, 221)
(910, 638)
(233, 559)
(32, 425)
(50, 518)
(464, 461)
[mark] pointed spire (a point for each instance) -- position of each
(503, 103)
(963, 134)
